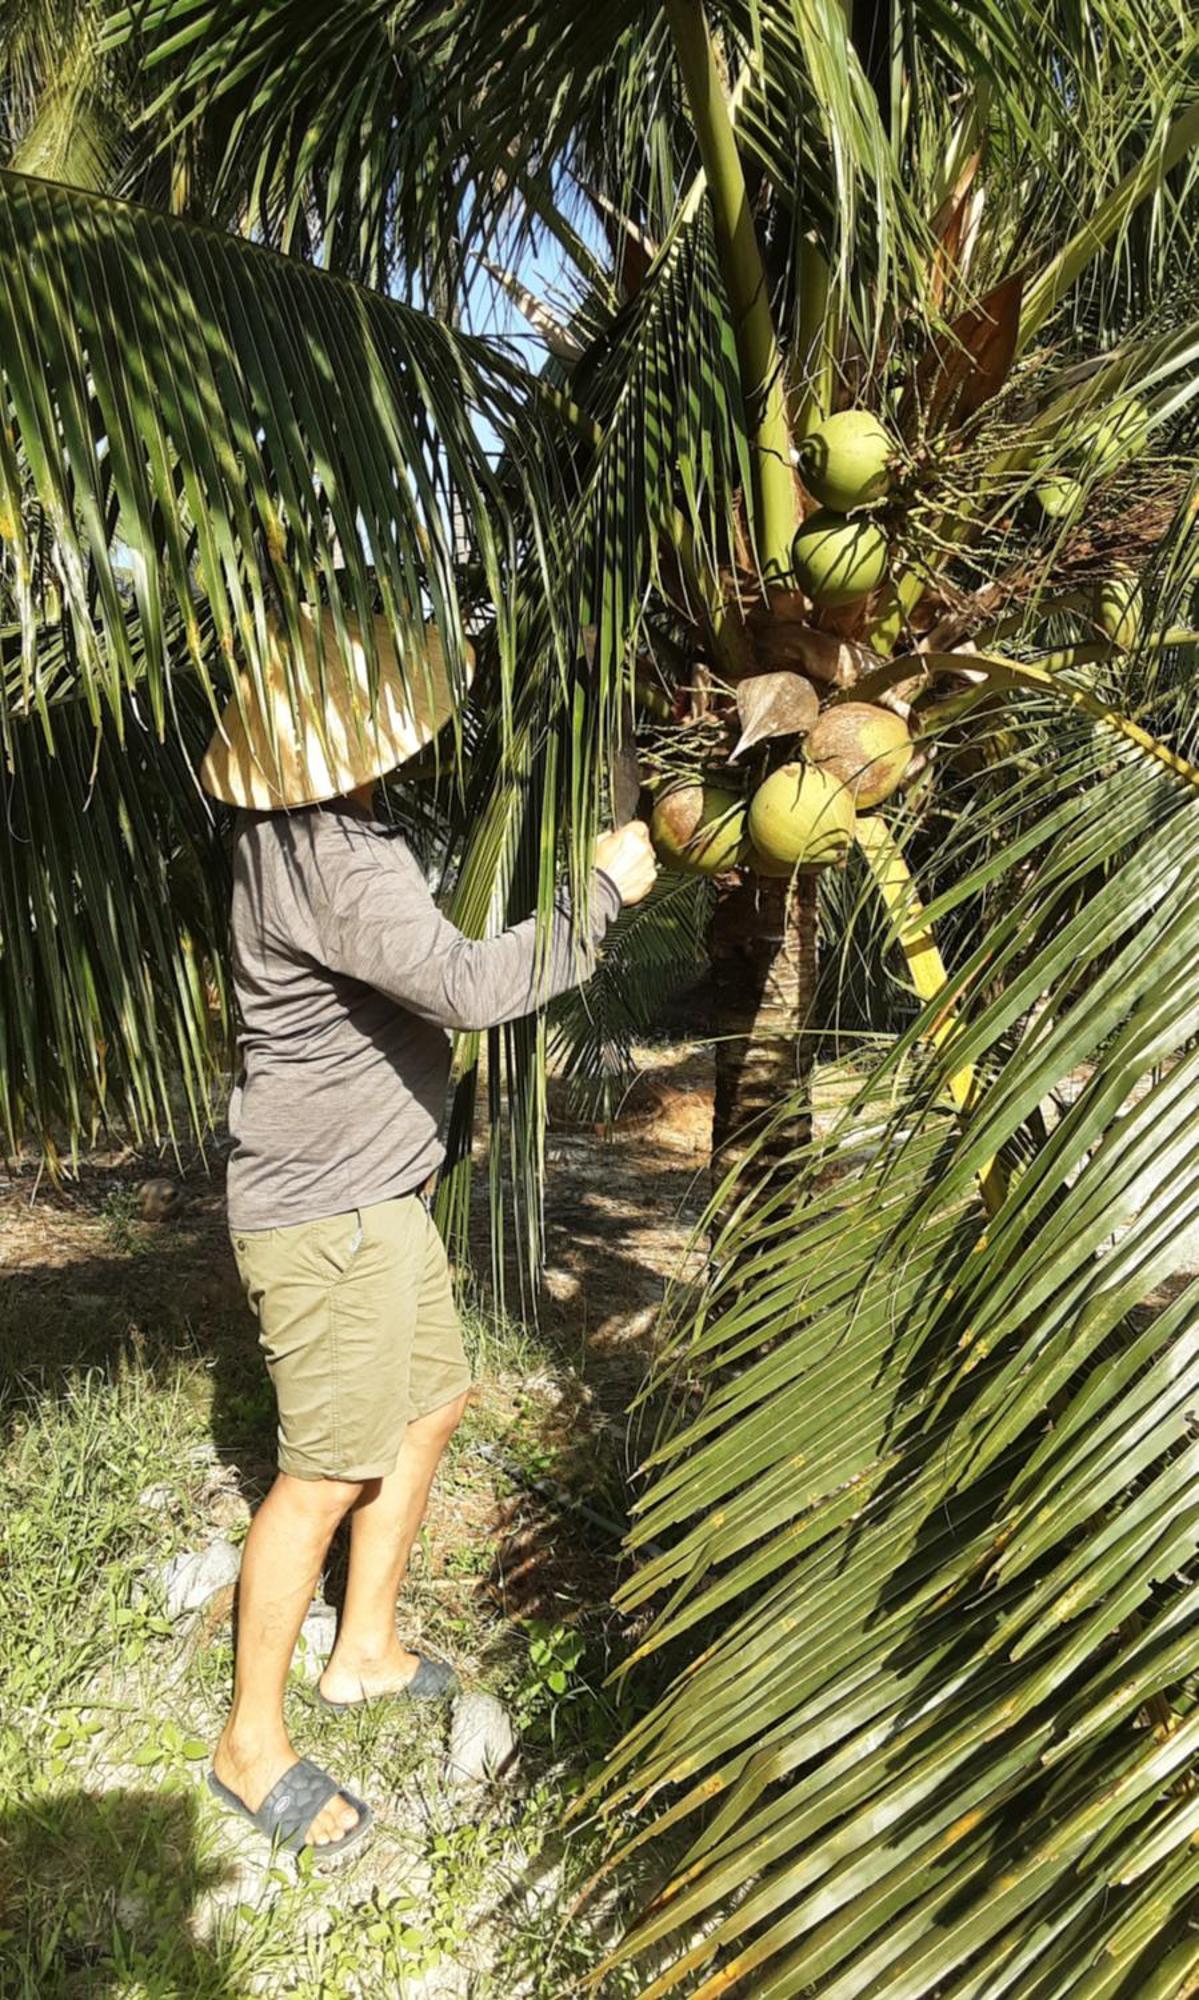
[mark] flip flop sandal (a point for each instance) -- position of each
(291, 1805)
(432, 1680)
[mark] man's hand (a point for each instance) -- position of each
(627, 858)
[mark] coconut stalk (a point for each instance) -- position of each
(914, 935)
(759, 357)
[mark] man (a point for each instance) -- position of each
(347, 979)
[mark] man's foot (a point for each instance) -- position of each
(350, 1676)
(251, 1770)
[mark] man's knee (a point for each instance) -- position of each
(442, 1422)
(327, 1498)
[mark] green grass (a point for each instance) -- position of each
(120, 1214)
(497, 1343)
(118, 1875)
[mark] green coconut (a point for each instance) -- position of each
(1103, 443)
(846, 461)
(1090, 448)
(1118, 607)
(863, 747)
(1060, 497)
(887, 621)
(837, 560)
(698, 829)
(798, 814)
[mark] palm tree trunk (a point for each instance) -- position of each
(763, 946)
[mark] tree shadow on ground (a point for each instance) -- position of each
(97, 1890)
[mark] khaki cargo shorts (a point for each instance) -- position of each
(357, 1320)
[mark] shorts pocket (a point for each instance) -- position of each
(251, 1254)
(324, 1249)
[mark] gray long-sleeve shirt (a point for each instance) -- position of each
(348, 978)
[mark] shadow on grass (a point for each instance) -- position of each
(97, 1894)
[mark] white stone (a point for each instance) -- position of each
(190, 1579)
(315, 1644)
(482, 1740)
(155, 1498)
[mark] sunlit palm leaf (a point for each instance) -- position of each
(112, 920)
(184, 414)
(318, 112)
(64, 109)
(943, 1482)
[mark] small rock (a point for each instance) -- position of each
(222, 1498)
(228, 1509)
(221, 1476)
(158, 1200)
(315, 1643)
(482, 1740)
(156, 1499)
(189, 1580)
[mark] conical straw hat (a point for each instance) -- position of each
(334, 743)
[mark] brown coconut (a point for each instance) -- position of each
(699, 829)
(866, 748)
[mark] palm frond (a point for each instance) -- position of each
(64, 109)
(113, 1004)
(183, 415)
(935, 1515)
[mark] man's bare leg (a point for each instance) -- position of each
(368, 1657)
(288, 1540)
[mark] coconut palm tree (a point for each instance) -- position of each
(921, 1512)
(723, 318)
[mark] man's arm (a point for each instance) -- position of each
(377, 921)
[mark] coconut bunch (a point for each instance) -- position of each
(1086, 451)
(1110, 506)
(816, 767)
(802, 812)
